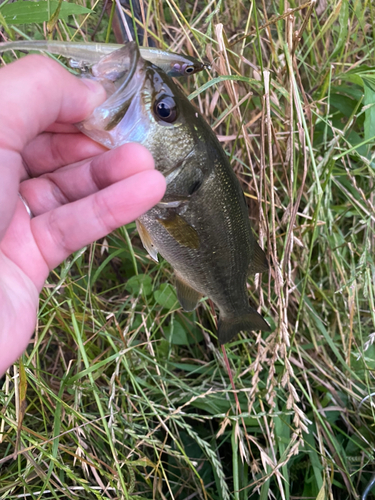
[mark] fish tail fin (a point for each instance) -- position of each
(229, 327)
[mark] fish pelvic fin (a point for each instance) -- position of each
(259, 263)
(187, 295)
(229, 327)
(147, 241)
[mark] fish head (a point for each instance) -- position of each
(143, 105)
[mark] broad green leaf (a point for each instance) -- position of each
(354, 139)
(369, 82)
(54, 18)
(364, 362)
(343, 103)
(352, 91)
(6, 27)
(177, 334)
(314, 457)
(357, 74)
(37, 12)
(369, 102)
(166, 296)
(343, 27)
(135, 283)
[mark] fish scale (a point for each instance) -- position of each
(201, 227)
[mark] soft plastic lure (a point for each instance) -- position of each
(87, 54)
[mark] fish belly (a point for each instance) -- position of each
(216, 262)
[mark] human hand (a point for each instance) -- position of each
(76, 190)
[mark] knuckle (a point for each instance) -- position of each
(104, 213)
(56, 150)
(55, 190)
(95, 175)
(57, 232)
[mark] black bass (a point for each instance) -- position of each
(201, 227)
(89, 53)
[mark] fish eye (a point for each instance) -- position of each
(189, 70)
(165, 108)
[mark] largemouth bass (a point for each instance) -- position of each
(90, 53)
(201, 227)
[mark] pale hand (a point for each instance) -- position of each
(77, 191)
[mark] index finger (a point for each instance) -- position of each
(37, 92)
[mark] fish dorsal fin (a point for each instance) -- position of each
(187, 296)
(259, 262)
(181, 231)
(147, 241)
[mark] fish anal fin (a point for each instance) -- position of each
(259, 262)
(181, 231)
(147, 241)
(187, 295)
(229, 327)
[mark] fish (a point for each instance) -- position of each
(85, 54)
(201, 226)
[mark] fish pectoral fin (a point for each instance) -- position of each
(259, 263)
(181, 231)
(173, 172)
(229, 327)
(147, 241)
(187, 295)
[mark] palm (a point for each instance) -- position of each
(19, 301)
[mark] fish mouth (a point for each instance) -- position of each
(122, 73)
(115, 71)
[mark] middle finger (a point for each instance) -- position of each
(50, 151)
(79, 180)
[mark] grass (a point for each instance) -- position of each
(121, 394)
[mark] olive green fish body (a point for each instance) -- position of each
(89, 53)
(214, 260)
(201, 227)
